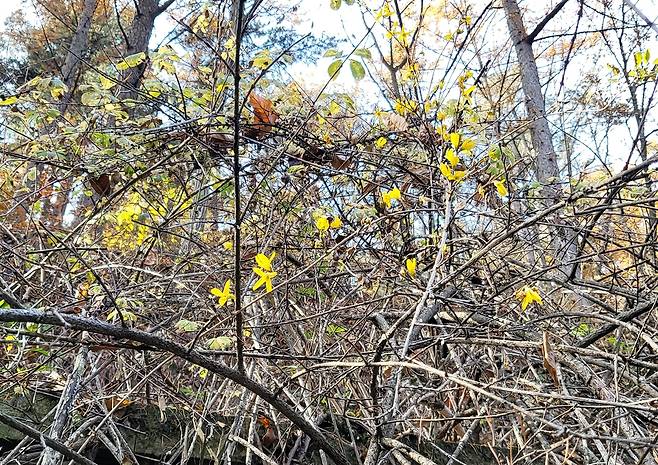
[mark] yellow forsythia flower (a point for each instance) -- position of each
(468, 144)
(224, 295)
(528, 295)
(264, 277)
(336, 223)
(452, 157)
(454, 139)
(264, 261)
(450, 174)
(501, 188)
(393, 194)
(381, 142)
(411, 263)
(322, 223)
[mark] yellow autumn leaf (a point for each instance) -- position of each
(220, 343)
(262, 59)
(106, 83)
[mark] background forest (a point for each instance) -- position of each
(357, 231)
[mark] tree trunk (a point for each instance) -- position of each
(78, 47)
(546, 166)
(138, 38)
(55, 204)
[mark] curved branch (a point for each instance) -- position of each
(47, 440)
(99, 327)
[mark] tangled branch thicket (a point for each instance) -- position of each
(424, 286)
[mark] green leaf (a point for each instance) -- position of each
(262, 60)
(335, 4)
(57, 88)
(4, 304)
(90, 99)
(127, 316)
(31, 174)
(363, 53)
(335, 330)
(106, 83)
(348, 101)
(220, 343)
(334, 68)
(349, 2)
(306, 291)
(332, 52)
(358, 71)
(187, 326)
(582, 330)
(296, 169)
(131, 61)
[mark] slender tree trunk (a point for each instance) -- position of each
(77, 49)
(546, 165)
(55, 204)
(138, 37)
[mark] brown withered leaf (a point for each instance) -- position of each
(339, 163)
(264, 116)
(117, 402)
(102, 185)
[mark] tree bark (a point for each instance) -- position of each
(79, 45)
(138, 37)
(54, 205)
(546, 165)
(51, 456)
